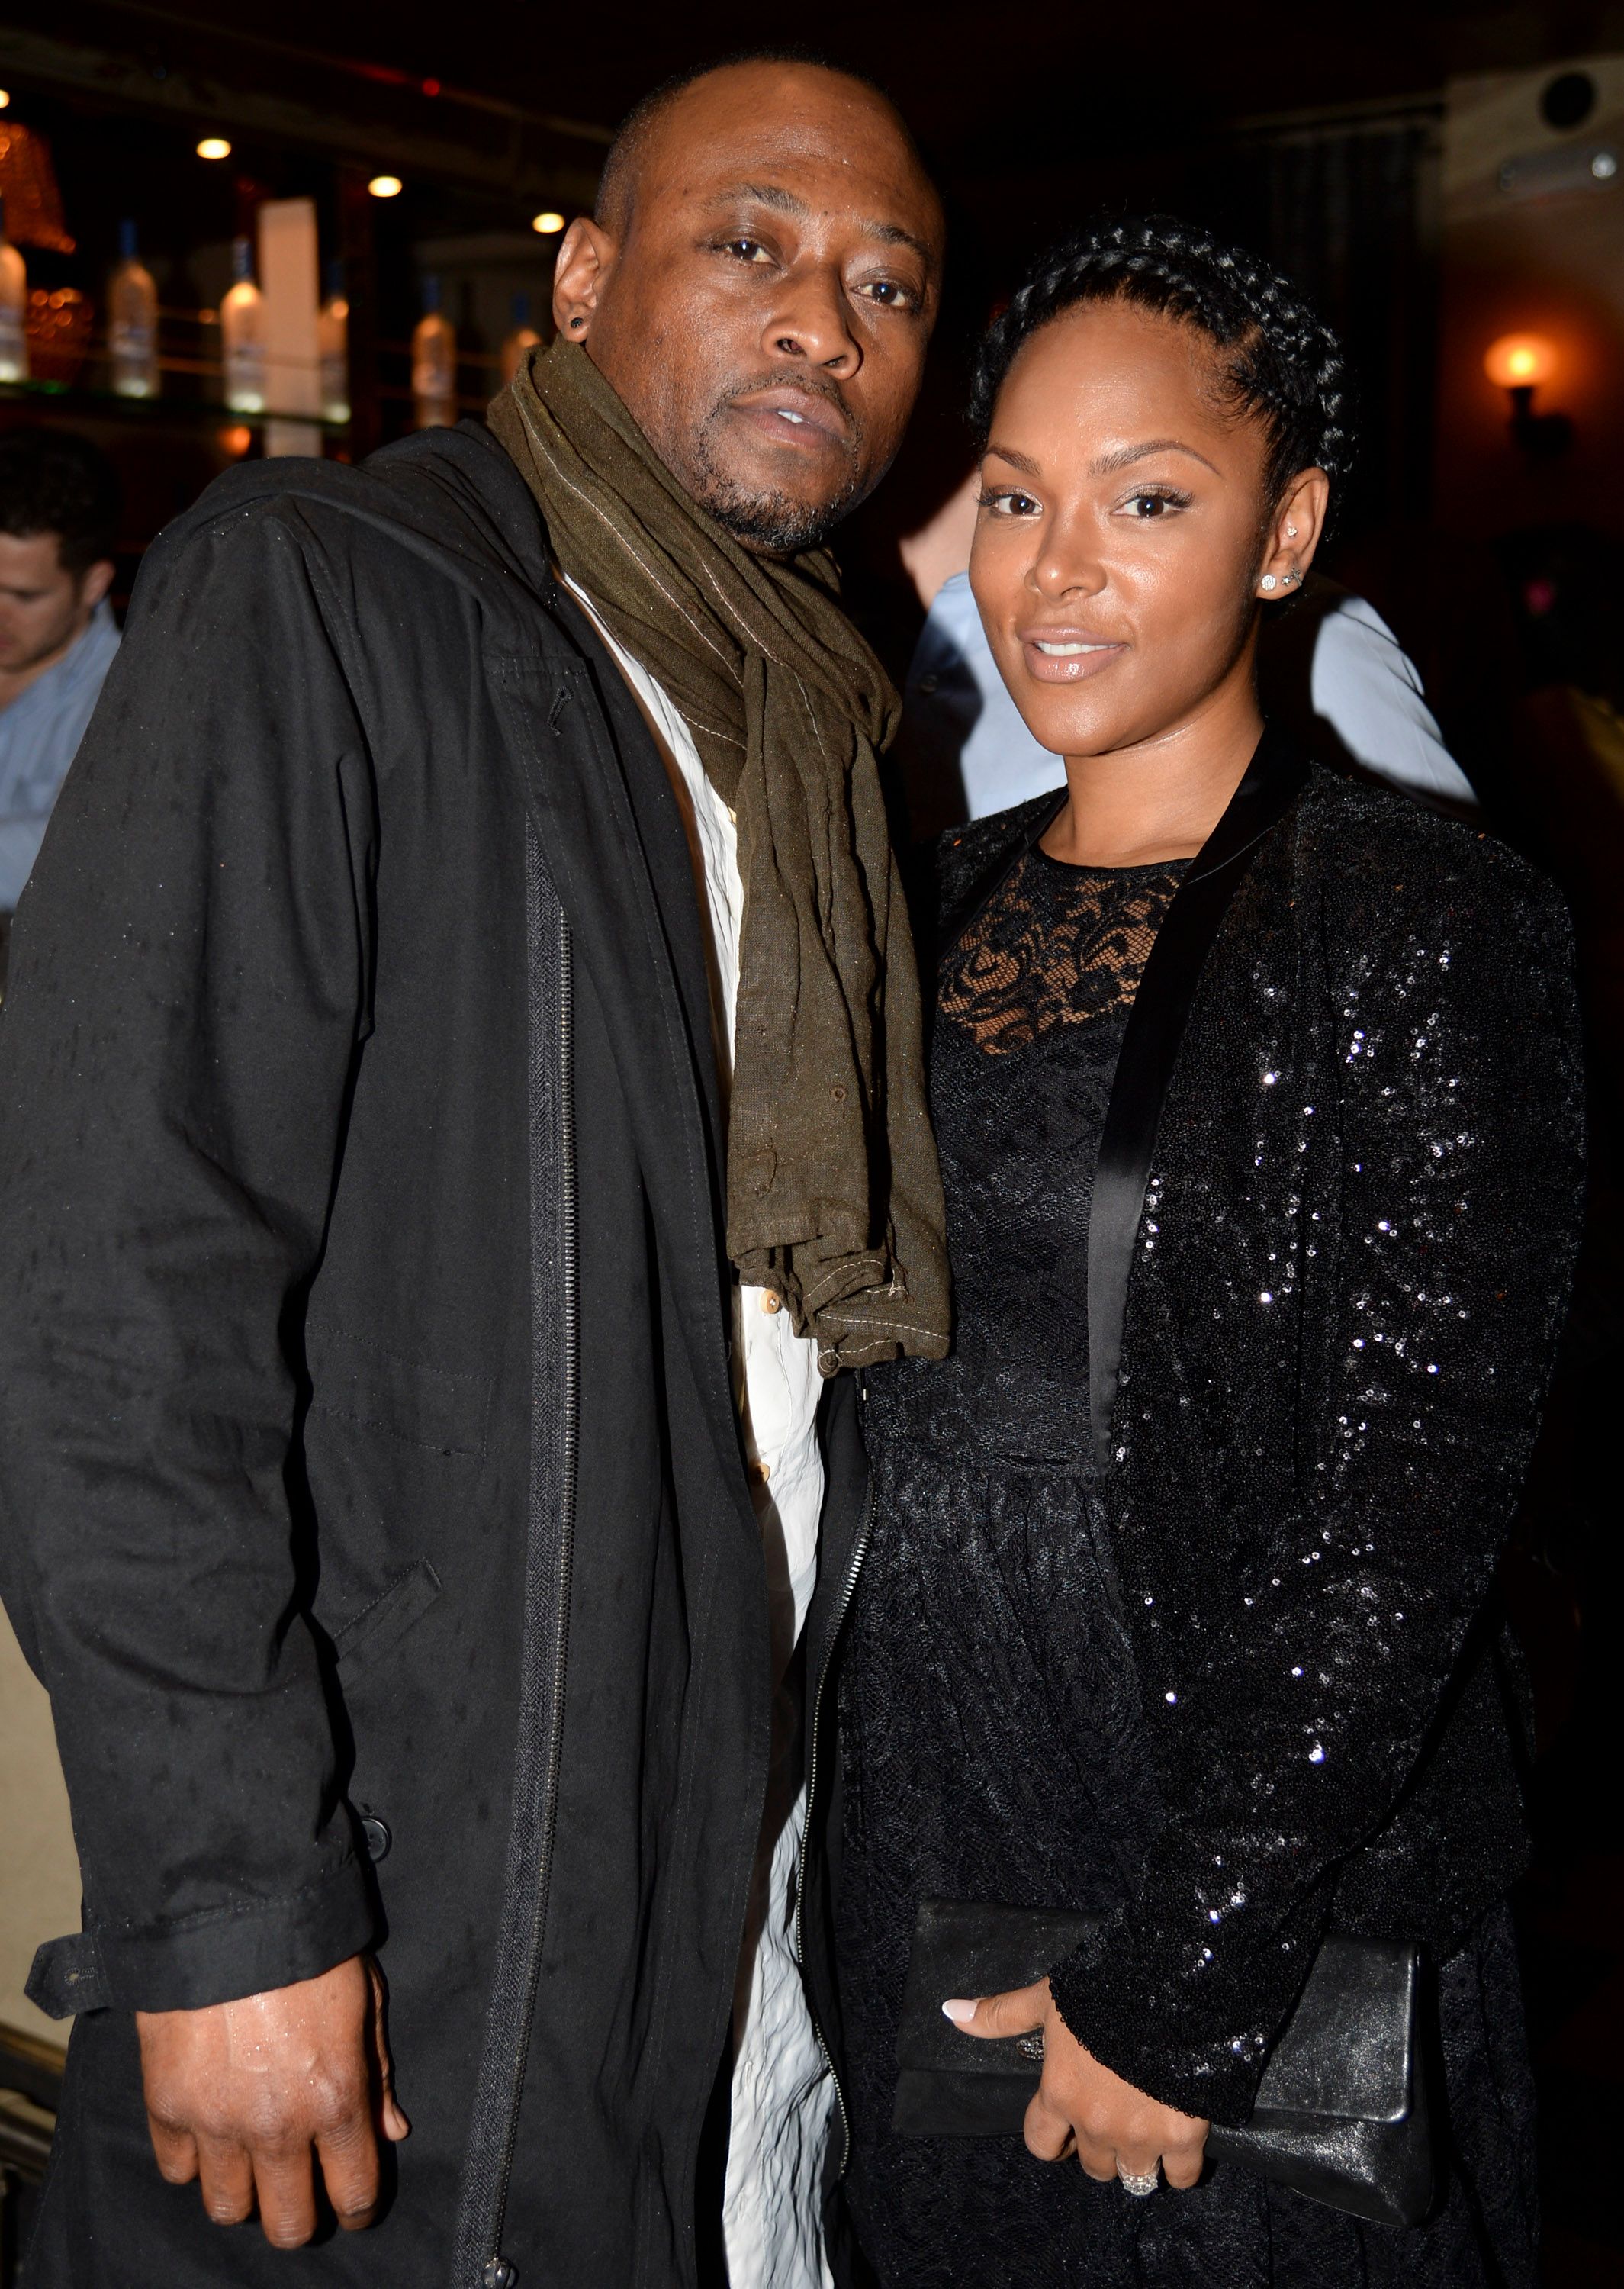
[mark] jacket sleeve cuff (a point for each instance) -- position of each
(1196, 2052)
(214, 1957)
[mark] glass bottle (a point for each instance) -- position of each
(434, 363)
(243, 334)
(13, 310)
(332, 331)
(132, 321)
(521, 341)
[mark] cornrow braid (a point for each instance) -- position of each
(1278, 357)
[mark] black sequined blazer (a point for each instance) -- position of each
(1339, 1220)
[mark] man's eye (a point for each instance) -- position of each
(748, 250)
(889, 292)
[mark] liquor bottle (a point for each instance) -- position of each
(521, 341)
(434, 363)
(243, 334)
(132, 321)
(13, 310)
(332, 333)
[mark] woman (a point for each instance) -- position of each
(1177, 1602)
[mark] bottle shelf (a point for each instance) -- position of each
(165, 408)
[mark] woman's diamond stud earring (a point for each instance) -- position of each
(1268, 580)
(1290, 532)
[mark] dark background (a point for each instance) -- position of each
(1359, 147)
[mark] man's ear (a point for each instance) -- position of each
(585, 257)
(94, 583)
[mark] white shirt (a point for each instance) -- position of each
(783, 2094)
(1333, 671)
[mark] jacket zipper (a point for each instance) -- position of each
(847, 1591)
(556, 1375)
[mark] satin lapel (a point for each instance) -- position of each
(576, 790)
(1150, 1046)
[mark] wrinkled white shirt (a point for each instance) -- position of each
(783, 2094)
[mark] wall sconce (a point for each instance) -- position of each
(1519, 364)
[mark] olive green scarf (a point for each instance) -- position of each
(834, 1199)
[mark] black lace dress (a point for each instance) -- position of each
(990, 1741)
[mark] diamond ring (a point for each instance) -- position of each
(1138, 2187)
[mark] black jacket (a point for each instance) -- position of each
(372, 1500)
(1333, 1226)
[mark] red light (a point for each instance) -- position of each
(431, 87)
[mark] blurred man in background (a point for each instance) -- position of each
(59, 520)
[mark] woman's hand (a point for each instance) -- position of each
(1116, 2130)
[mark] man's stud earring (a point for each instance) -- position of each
(1268, 580)
(577, 321)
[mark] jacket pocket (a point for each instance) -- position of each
(379, 1628)
(352, 1381)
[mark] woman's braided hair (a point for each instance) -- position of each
(1277, 358)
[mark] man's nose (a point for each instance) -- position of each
(811, 320)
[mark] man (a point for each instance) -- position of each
(59, 520)
(385, 1505)
(1329, 669)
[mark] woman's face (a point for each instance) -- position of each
(1123, 530)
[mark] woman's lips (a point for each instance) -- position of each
(1066, 655)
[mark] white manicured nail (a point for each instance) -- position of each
(959, 2011)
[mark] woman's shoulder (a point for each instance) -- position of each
(963, 856)
(1381, 853)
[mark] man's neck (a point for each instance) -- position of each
(15, 681)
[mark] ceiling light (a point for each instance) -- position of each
(549, 220)
(385, 186)
(214, 147)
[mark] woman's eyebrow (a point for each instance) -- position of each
(1015, 460)
(1125, 455)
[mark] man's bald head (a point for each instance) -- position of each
(759, 285)
(639, 129)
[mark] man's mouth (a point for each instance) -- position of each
(798, 418)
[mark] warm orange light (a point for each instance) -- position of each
(6, 98)
(214, 147)
(1519, 361)
(547, 221)
(236, 440)
(385, 186)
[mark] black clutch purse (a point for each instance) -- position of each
(1340, 2114)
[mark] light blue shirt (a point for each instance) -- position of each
(1331, 671)
(39, 736)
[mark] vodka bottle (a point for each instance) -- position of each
(521, 341)
(13, 310)
(434, 363)
(243, 334)
(132, 322)
(332, 331)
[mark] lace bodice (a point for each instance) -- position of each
(1031, 1002)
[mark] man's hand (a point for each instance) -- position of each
(1118, 2130)
(238, 2093)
